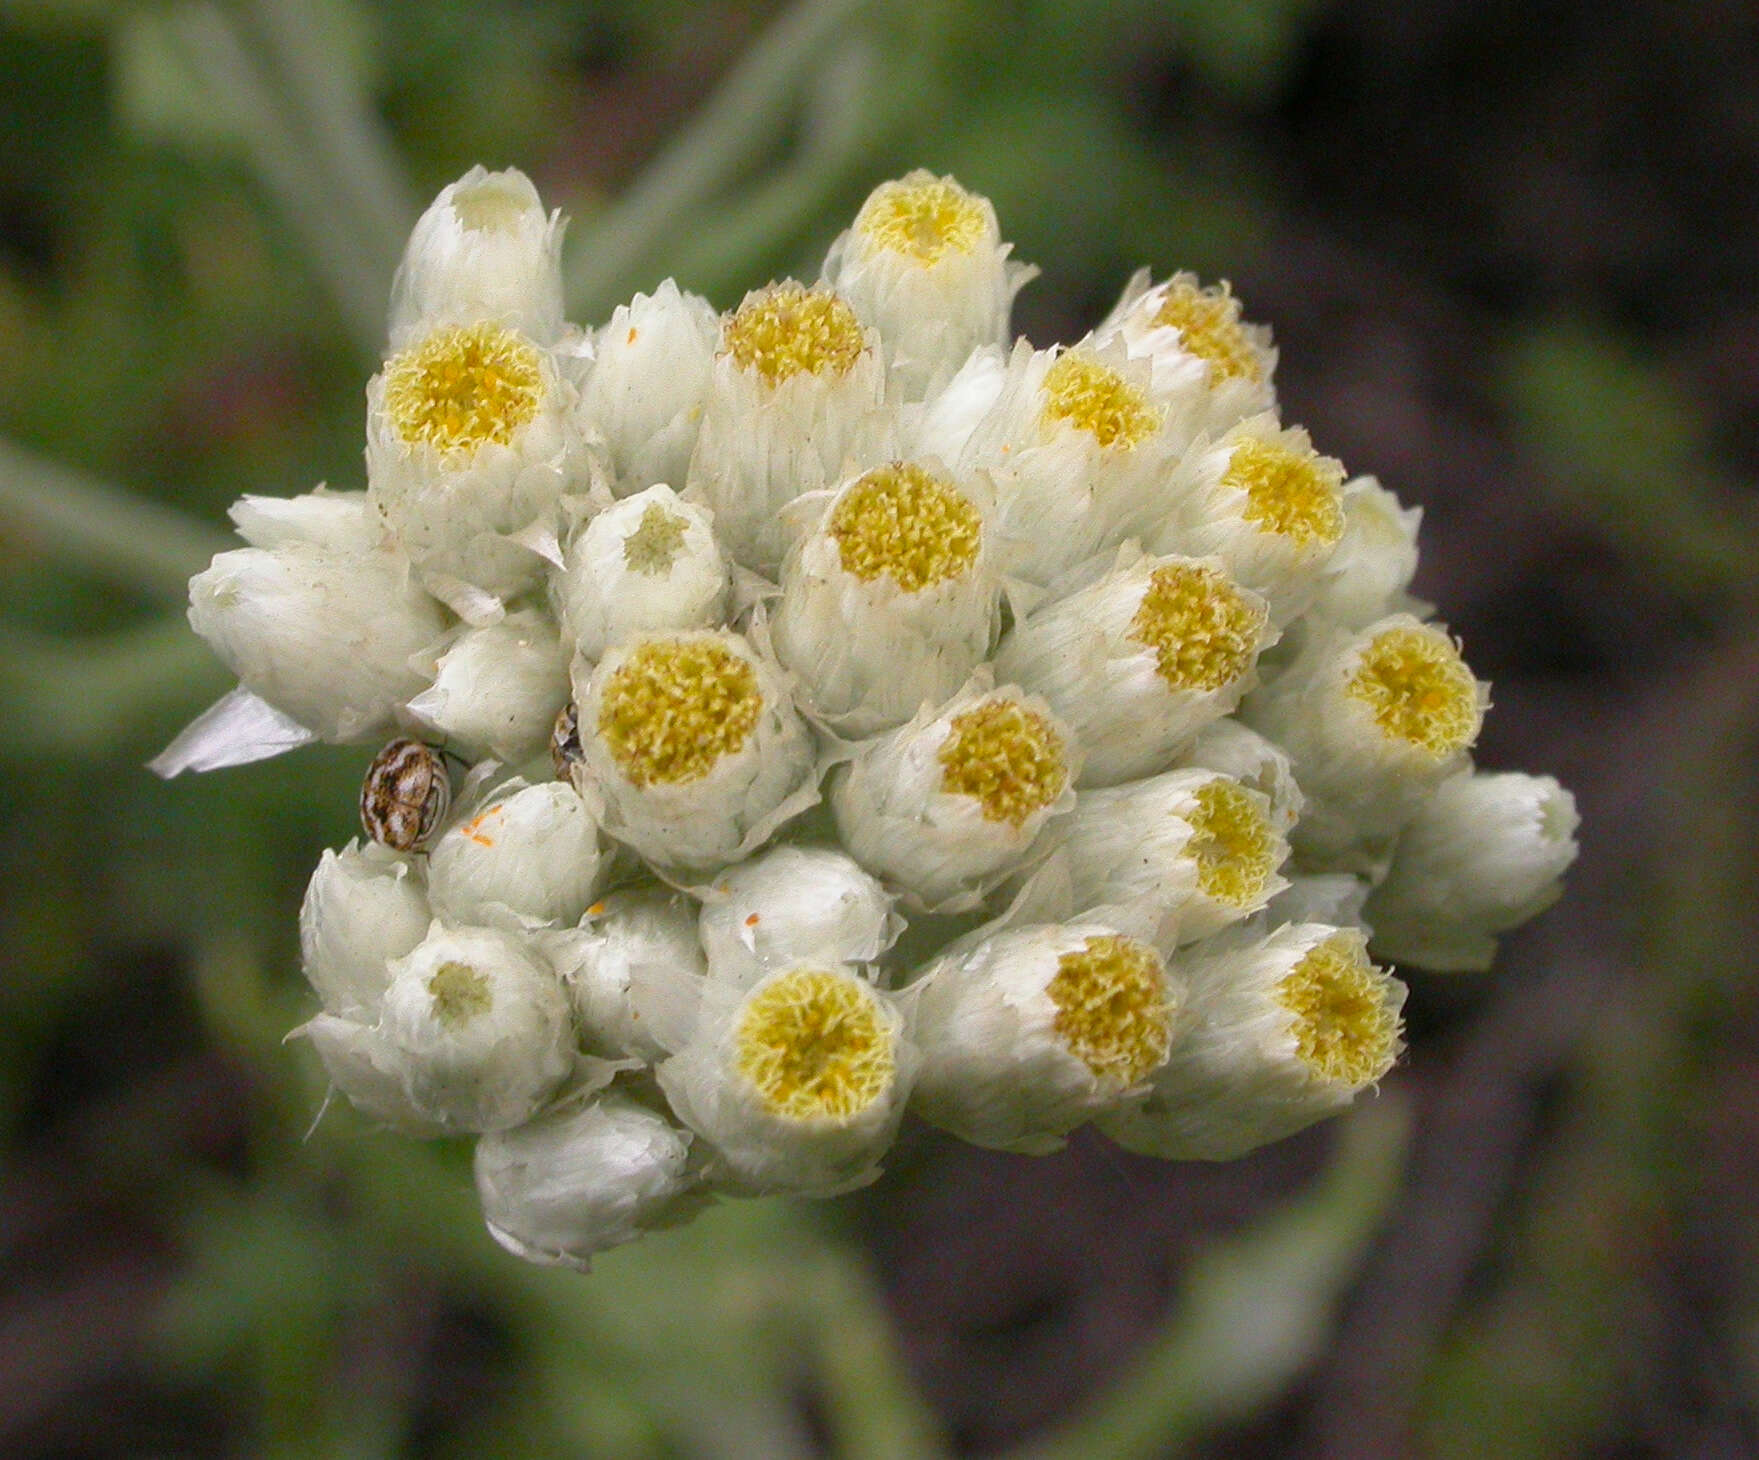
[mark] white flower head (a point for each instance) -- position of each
(525, 857)
(694, 743)
(1482, 855)
(798, 1082)
(1032, 1031)
(482, 1025)
(578, 1180)
(794, 405)
(484, 250)
(1078, 450)
(647, 564)
(471, 444)
(1373, 722)
(472, 1034)
(1210, 367)
(1138, 662)
(364, 907)
(1286, 1031)
(497, 689)
(1191, 851)
(794, 903)
(949, 804)
(890, 602)
(633, 969)
(925, 264)
(1266, 503)
(327, 635)
(653, 364)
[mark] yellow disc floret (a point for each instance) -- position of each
(1419, 690)
(1293, 494)
(1204, 632)
(901, 522)
(1009, 758)
(924, 218)
(1208, 322)
(656, 542)
(463, 387)
(1113, 1012)
(1094, 398)
(1346, 1018)
(460, 994)
(675, 707)
(493, 205)
(1231, 843)
(815, 1046)
(787, 330)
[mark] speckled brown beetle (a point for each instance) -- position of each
(405, 796)
(565, 752)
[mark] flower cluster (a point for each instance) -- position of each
(834, 708)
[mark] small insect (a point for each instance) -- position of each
(405, 795)
(565, 751)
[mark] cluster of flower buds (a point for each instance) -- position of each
(834, 708)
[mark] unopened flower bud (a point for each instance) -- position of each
(572, 1183)
(497, 689)
(649, 382)
(790, 904)
(528, 856)
(1482, 855)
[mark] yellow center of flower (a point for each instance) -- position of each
(656, 542)
(491, 206)
(460, 994)
(815, 1046)
(1112, 1008)
(1346, 1019)
(1008, 757)
(1419, 690)
(1208, 322)
(1096, 399)
(787, 330)
(1203, 630)
(925, 219)
(464, 387)
(900, 522)
(1293, 494)
(1231, 842)
(674, 707)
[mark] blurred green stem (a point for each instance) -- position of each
(725, 138)
(65, 514)
(343, 249)
(79, 698)
(352, 144)
(1256, 1309)
(874, 1408)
